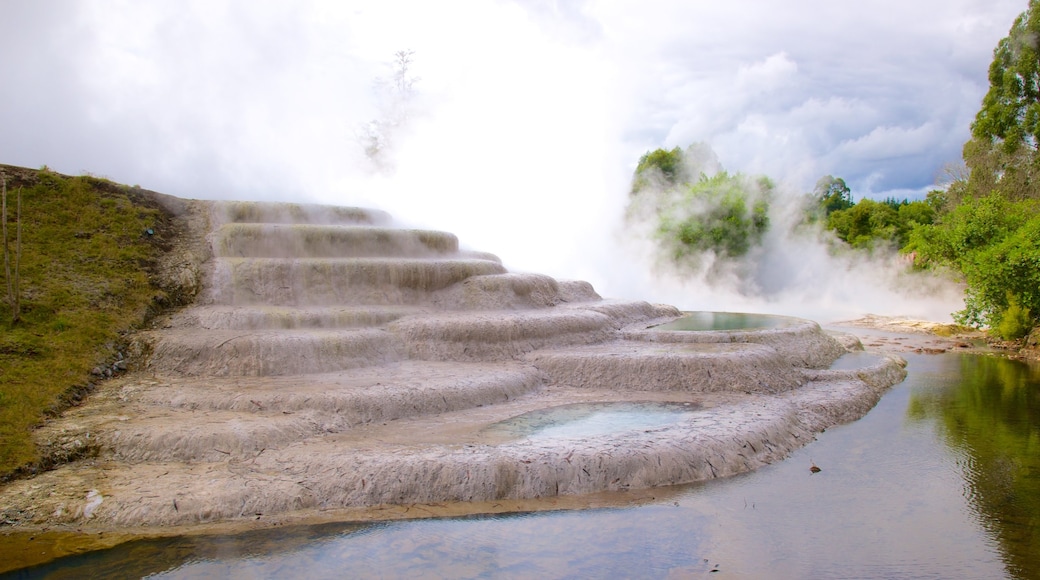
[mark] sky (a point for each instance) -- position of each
(525, 118)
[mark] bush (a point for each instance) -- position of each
(1015, 321)
(1008, 267)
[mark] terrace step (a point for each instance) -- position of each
(266, 240)
(214, 419)
(261, 317)
(344, 281)
(223, 353)
(691, 367)
(295, 213)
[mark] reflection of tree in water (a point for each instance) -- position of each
(993, 419)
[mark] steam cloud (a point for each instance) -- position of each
(526, 128)
(797, 269)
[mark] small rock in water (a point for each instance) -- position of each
(814, 469)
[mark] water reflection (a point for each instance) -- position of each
(992, 417)
(610, 544)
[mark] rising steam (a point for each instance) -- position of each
(795, 268)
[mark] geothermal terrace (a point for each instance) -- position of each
(334, 361)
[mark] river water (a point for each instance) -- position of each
(940, 480)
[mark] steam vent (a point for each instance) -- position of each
(332, 361)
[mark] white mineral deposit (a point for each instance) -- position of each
(334, 361)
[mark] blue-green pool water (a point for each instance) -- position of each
(590, 420)
(702, 321)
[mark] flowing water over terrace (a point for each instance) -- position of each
(940, 480)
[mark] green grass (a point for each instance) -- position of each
(84, 282)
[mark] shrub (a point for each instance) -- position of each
(1015, 321)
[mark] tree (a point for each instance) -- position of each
(724, 214)
(1002, 153)
(1004, 283)
(986, 224)
(995, 243)
(660, 168)
(696, 209)
(865, 224)
(831, 194)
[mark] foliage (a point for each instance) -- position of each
(995, 243)
(84, 256)
(865, 224)
(831, 194)
(1005, 136)
(725, 214)
(968, 228)
(660, 168)
(713, 213)
(1007, 268)
(911, 215)
(1016, 321)
(987, 224)
(868, 224)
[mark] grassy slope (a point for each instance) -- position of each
(86, 253)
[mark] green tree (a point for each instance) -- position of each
(831, 194)
(725, 214)
(995, 243)
(865, 224)
(971, 227)
(910, 216)
(660, 168)
(1005, 136)
(717, 213)
(1004, 283)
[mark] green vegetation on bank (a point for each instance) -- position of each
(86, 247)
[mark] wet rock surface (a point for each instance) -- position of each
(332, 361)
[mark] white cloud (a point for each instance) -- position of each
(884, 143)
(769, 74)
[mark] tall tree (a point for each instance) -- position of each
(1005, 136)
